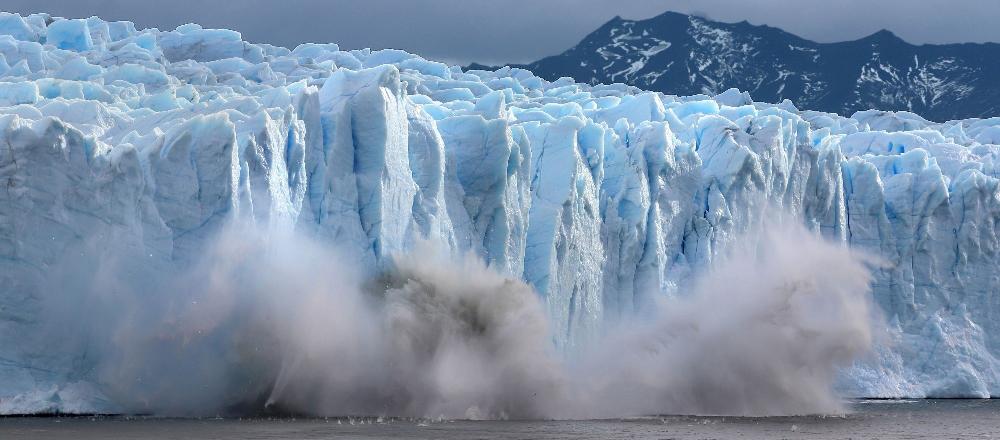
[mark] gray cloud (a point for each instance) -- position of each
(497, 31)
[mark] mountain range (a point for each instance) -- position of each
(683, 54)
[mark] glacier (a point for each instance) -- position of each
(602, 198)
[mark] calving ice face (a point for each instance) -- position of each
(187, 211)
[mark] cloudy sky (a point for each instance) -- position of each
(499, 31)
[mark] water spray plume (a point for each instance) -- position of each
(266, 321)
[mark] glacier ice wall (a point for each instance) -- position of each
(603, 198)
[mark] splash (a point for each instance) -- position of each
(763, 332)
(454, 340)
(263, 321)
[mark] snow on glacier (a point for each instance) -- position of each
(603, 197)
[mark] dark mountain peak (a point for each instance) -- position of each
(614, 23)
(477, 66)
(681, 21)
(672, 15)
(670, 18)
(883, 36)
(684, 54)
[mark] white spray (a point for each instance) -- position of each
(282, 323)
(763, 332)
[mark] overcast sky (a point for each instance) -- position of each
(499, 31)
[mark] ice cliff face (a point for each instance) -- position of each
(601, 197)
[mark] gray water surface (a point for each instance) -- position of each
(886, 419)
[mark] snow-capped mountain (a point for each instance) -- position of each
(603, 198)
(688, 55)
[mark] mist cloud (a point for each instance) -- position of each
(275, 322)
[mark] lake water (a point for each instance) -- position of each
(906, 419)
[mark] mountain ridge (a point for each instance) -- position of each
(683, 54)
